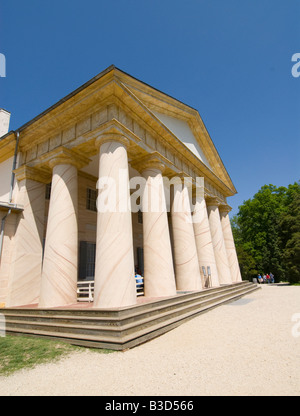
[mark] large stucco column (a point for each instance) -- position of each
(60, 265)
(205, 249)
(229, 244)
(26, 264)
(187, 271)
(159, 278)
(218, 241)
(114, 274)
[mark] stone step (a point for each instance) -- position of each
(123, 333)
(137, 314)
(159, 329)
(123, 329)
(102, 327)
(118, 314)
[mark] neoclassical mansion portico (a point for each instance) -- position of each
(51, 232)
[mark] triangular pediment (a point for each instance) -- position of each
(182, 130)
(182, 121)
(157, 115)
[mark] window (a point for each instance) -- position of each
(87, 259)
(91, 259)
(91, 199)
(140, 217)
(140, 260)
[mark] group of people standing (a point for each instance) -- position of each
(266, 278)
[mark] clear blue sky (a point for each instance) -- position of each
(231, 60)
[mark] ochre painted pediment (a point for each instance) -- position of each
(144, 112)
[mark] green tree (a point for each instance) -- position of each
(266, 232)
(290, 233)
(244, 252)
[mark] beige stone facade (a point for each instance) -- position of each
(51, 233)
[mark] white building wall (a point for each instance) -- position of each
(5, 179)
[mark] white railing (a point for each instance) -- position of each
(139, 281)
(85, 289)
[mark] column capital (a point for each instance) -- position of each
(225, 208)
(111, 137)
(28, 172)
(212, 201)
(150, 161)
(64, 156)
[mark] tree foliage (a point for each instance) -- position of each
(267, 233)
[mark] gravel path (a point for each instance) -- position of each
(243, 348)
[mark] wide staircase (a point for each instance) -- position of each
(122, 328)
